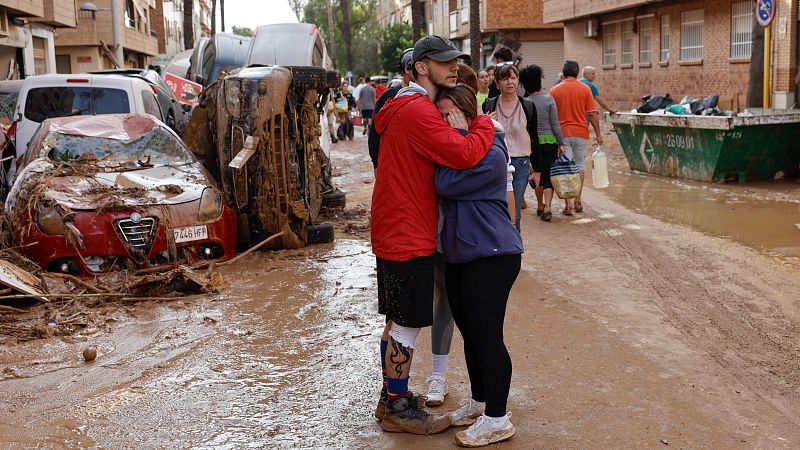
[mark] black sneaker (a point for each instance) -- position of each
(405, 415)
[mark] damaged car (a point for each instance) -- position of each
(118, 191)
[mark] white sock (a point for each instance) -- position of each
(497, 421)
(439, 363)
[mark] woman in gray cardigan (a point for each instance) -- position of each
(550, 140)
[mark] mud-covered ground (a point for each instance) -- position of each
(650, 321)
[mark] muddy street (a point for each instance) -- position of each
(666, 315)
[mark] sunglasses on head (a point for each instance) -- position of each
(507, 63)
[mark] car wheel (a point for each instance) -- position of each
(321, 233)
(314, 78)
(335, 199)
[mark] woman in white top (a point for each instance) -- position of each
(518, 117)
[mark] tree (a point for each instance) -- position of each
(345, 26)
(417, 19)
(243, 31)
(298, 6)
(222, 14)
(364, 31)
(188, 25)
(396, 38)
(475, 38)
(331, 31)
(213, 17)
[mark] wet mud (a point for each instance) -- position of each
(626, 330)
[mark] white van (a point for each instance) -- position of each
(45, 96)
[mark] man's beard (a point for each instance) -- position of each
(441, 82)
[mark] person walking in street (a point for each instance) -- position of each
(518, 117)
(414, 139)
(345, 103)
(405, 65)
(483, 87)
(587, 77)
(574, 101)
(502, 56)
(483, 251)
(366, 104)
(551, 141)
(357, 91)
(330, 110)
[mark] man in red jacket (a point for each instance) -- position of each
(414, 139)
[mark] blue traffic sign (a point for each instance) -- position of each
(765, 12)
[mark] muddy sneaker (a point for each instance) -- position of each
(487, 430)
(405, 415)
(469, 411)
(437, 390)
(380, 410)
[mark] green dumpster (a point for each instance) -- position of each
(754, 146)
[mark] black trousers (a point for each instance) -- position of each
(478, 294)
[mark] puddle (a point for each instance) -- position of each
(761, 215)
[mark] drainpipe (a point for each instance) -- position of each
(767, 63)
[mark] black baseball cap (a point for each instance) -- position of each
(437, 48)
(407, 60)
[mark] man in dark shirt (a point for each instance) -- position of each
(406, 63)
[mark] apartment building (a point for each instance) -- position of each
(520, 25)
(516, 23)
(680, 47)
(27, 35)
(82, 49)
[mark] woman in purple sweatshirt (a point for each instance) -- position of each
(482, 249)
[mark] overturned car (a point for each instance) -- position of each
(257, 129)
(119, 191)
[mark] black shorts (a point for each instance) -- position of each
(366, 113)
(405, 291)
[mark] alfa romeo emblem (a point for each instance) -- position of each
(136, 217)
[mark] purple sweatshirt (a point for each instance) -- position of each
(476, 219)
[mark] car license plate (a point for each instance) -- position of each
(190, 233)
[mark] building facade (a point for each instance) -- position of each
(689, 47)
(27, 35)
(517, 23)
(520, 25)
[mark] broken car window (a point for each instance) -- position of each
(156, 148)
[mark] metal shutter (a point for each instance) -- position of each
(549, 55)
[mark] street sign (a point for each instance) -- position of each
(765, 12)
(349, 74)
(186, 91)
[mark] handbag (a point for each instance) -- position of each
(341, 105)
(565, 177)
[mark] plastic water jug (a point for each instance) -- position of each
(599, 169)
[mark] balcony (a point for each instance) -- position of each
(32, 8)
(453, 23)
(565, 10)
(59, 13)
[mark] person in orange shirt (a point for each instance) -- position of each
(575, 102)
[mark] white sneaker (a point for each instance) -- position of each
(469, 411)
(486, 430)
(437, 390)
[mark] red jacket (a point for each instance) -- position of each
(415, 138)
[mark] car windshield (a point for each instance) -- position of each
(158, 147)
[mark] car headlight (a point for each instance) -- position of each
(232, 103)
(210, 204)
(49, 220)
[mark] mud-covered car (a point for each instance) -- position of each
(117, 191)
(257, 129)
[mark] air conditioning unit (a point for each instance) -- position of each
(590, 31)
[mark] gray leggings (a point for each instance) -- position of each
(442, 329)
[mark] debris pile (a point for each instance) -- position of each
(664, 105)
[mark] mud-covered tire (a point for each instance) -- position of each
(321, 233)
(335, 199)
(310, 77)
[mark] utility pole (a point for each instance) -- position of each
(116, 30)
(222, 13)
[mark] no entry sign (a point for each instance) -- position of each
(765, 12)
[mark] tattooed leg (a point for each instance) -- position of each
(398, 360)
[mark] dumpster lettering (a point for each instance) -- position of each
(646, 151)
(675, 141)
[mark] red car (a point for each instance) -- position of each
(99, 193)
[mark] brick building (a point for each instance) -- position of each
(688, 47)
(27, 35)
(518, 22)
